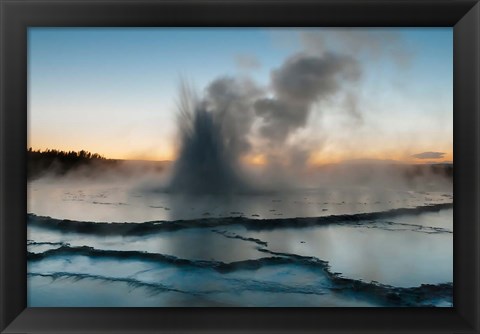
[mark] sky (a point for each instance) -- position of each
(114, 91)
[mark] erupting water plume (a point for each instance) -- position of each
(215, 130)
(211, 141)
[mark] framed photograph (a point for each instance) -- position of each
(268, 166)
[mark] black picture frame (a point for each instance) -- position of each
(17, 15)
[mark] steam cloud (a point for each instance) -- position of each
(216, 129)
(301, 81)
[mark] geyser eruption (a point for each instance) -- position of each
(215, 130)
(204, 165)
(212, 135)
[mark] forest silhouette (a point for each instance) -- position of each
(60, 162)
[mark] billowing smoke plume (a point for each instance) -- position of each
(298, 84)
(235, 118)
(216, 129)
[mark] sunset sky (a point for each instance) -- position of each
(113, 91)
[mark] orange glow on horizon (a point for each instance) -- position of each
(315, 159)
(321, 158)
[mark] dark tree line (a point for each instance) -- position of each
(60, 162)
(64, 155)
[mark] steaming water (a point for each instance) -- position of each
(399, 252)
(120, 203)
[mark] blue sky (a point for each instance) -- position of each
(113, 90)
